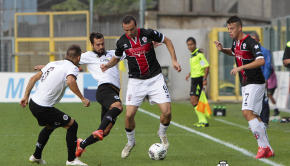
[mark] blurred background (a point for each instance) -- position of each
(39, 31)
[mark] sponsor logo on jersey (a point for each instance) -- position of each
(144, 39)
(125, 45)
(117, 97)
(104, 60)
(256, 46)
(244, 46)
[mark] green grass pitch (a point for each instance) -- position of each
(19, 132)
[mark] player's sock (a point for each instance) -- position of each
(131, 136)
(71, 140)
(41, 142)
(109, 117)
(201, 117)
(90, 140)
(258, 132)
(264, 134)
(162, 129)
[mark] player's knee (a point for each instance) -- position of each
(74, 125)
(248, 114)
(167, 113)
(117, 105)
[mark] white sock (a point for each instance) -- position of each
(265, 137)
(162, 130)
(258, 132)
(131, 137)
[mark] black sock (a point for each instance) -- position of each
(71, 140)
(90, 140)
(109, 117)
(128, 130)
(42, 140)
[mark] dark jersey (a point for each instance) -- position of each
(246, 51)
(140, 53)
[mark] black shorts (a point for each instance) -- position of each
(107, 94)
(271, 91)
(196, 86)
(48, 116)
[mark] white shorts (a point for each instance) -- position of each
(154, 87)
(253, 97)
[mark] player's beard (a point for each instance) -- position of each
(100, 52)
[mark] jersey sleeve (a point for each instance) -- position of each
(203, 62)
(83, 59)
(120, 49)
(155, 35)
(45, 68)
(72, 71)
(255, 49)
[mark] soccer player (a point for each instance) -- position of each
(108, 89)
(199, 68)
(145, 77)
(53, 80)
(249, 59)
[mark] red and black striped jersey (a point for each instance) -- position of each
(246, 51)
(140, 53)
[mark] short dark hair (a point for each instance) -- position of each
(127, 19)
(73, 51)
(191, 39)
(235, 19)
(95, 35)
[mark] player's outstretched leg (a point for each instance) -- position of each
(108, 120)
(130, 132)
(165, 119)
(41, 142)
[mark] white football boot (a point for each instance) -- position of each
(76, 161)
(126, 151)
(37, 161)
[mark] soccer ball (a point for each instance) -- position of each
(157, 151)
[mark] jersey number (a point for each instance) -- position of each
(44, 76)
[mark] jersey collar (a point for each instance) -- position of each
(194, 52)
(70, 61)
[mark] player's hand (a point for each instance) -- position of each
(86, 102)
(176, 66)
(187, 77)
(103, 67)
(38, 67)
(218, 45)
(24, 102)
(204, 82)
(235, 70)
